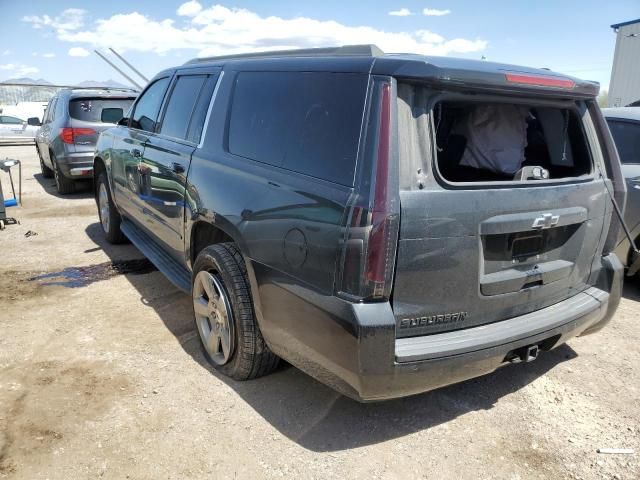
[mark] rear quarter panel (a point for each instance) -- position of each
(287, 225)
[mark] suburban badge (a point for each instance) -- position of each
(433, 320)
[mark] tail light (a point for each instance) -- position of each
(372, 231)
(68, 135)
(540, 80)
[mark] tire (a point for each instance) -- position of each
(110, 219)
(64, 185)
(630, 259)
(46, 171)
(226, 302)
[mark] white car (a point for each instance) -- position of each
(16, 128)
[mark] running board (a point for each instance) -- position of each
(176, 273)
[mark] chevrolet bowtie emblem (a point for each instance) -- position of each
(547, 220)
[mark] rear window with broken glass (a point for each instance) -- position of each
(491, 138)
(483, 142)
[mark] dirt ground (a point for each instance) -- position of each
(101, 376)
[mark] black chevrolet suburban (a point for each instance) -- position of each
(388, 224)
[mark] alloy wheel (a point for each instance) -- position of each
(214, 317)
(103, 205)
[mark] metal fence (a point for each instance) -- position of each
(14, 93)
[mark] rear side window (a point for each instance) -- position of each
(99, 110)
(59, 110)
(52, 110)
(187, 107)
(145, 115)
(48, 114)
(627, 138)
(305, 122)
(200, 111)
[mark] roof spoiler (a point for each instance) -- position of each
(501, 78)
(345, 50)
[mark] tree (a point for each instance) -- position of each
(603, 98)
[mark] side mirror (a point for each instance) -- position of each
(124, 122)
(34, 121)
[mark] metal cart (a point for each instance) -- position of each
(6, 165)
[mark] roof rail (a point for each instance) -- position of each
(116, 89)
(70, 87)
(345, 50)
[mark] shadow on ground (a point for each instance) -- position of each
(83, 188)
(315, 416)
(631, 290)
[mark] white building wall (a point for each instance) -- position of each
(24, 110)
(624, 87)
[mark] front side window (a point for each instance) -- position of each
(626, 135)
(184, 96)
(305, 122)
(145, 114)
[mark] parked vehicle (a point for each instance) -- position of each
(387, 223)
(16, 128)
(624, 124)
(72, 122)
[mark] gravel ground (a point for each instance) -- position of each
(101, 376)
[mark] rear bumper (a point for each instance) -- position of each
(352, 347)
(76, 165)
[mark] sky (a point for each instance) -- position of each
(55, 40)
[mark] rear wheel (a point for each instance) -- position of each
(64, 185)
(631, 260)
(223, 310)
(46, 171)
(109, 217)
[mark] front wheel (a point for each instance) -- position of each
(109, 217)
(223, 309)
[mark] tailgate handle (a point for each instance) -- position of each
(514, 280)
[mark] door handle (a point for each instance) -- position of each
(135, 153)
(177, 167)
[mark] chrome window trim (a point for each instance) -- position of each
(209, 110)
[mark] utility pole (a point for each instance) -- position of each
(129, 65)
(117, 69)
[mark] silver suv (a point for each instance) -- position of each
(72, 122)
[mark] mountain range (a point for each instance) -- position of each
(86, 83)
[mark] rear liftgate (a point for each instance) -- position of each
(480, 252)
